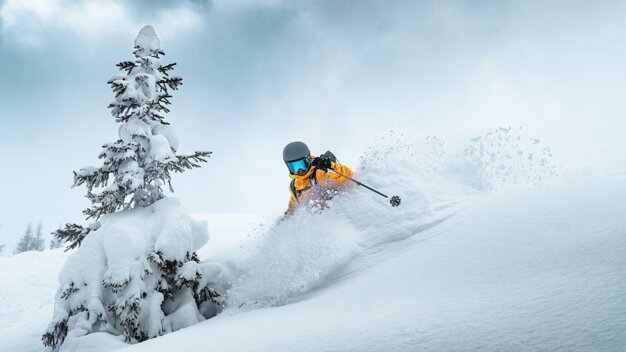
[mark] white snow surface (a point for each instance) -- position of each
(488, 252)
(29, 282)
(525, 270)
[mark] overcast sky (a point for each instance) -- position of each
(335, 74)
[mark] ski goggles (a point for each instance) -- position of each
(297, 165)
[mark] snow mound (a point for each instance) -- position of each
(118, 262)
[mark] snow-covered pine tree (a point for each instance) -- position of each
(140, 163)
(38, 241)
(32, 240)
(135, 273)
(23, 244)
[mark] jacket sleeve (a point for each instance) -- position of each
(341, 168)
(292, 204)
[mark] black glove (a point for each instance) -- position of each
(324, 161)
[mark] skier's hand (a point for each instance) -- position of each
(330, 156)
(324, 161)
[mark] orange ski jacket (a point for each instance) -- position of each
(301, 185)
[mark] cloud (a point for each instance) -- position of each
(178, 20)
(30, 22)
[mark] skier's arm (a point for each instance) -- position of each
(329, 161)
(292, 205)
(340, 168)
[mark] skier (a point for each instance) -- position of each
(312, 183)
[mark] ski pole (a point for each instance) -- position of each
(395, 200)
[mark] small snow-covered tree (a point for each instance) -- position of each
(32, 240)
(25, 241)
(38, 241)
(135, 272)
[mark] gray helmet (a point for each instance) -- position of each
(295, 150)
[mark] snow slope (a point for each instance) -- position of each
(525, 270)
(485, 254)
(28, 283)
(488, 252)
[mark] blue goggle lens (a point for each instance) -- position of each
(296, 165)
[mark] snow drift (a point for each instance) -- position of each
(120, 255)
